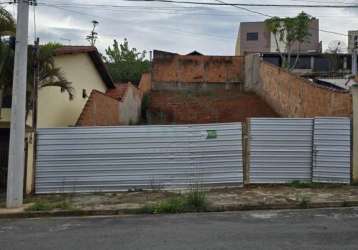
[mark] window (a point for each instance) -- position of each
(252, 36)
(84, 93)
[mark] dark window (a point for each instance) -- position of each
(252, 36)
(84, 93)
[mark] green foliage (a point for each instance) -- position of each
(126, 64)
(290, 31)
(7, 23)
(194, 201)
(304, 202)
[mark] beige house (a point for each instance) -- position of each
(81, 65)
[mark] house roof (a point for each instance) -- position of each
(95, 57)
(118, 92)
(194, 53)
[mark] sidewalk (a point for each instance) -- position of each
(226, 199)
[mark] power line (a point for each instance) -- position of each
(267, 15)
(251, 4)
(170, 29)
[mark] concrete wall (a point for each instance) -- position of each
(263, 44)
(266, 40)
(176, 70)
(145, 84)
(54, 107)
(5, 118)
(292, 96)
(130, 106)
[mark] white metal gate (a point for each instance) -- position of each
(280, 150)
(100, 159)
(332, 150)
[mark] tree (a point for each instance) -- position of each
(335, 48)
(7, 28)
(126, 64)
(291, 32)
(48, 75)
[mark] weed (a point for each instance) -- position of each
(170, 206)
(197, 200)
(194, 201)
(48, 206)
(304, 202)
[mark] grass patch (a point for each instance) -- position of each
(304, 203)
(47, 206)
(194, 201)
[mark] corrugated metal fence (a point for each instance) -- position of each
(121, 158)
(283, 150)
(332, 150)
(280, 150)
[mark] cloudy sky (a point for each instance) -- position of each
(168, 26)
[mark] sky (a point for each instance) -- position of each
(211, 30)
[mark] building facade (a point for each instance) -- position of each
(254, 37)
(352, 40)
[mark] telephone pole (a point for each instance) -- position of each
(15, 178)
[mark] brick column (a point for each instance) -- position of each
(355, 134)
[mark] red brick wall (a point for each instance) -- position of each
(100, 110)
(198, 69)
(292, 96)
(166, 107)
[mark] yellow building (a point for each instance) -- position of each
(84, 68)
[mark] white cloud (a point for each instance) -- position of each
(167, 26)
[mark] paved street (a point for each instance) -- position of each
(295, 229)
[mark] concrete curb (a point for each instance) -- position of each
(228, 208)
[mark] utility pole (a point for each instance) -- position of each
(15, 178)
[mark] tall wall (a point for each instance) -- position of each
(145, 84)
(100, 110)
(292, 96)
(190, 70)
(103, 110)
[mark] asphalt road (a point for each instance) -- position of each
(290, 229)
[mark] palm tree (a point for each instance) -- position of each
(7, 28)
(45, 73)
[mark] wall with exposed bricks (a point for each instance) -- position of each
(104, 110)
(293, 96)
(170, 107)
(198, 69)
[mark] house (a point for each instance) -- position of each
(254, 37)
(83, 66)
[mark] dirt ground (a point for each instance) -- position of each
(218, 199)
